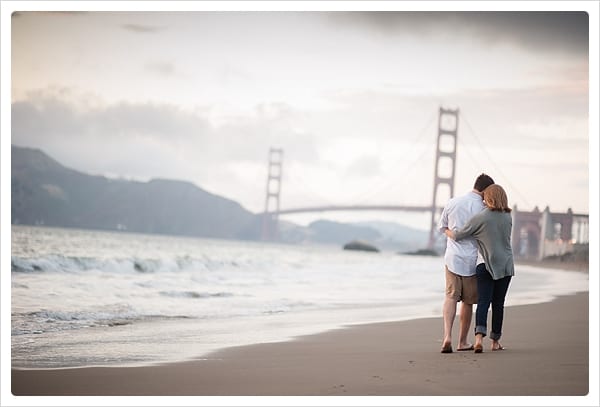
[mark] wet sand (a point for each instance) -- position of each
(547, 354)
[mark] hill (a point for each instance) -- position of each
(44, 192)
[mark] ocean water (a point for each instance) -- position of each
(92, 298)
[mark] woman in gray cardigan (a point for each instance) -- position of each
(491, 228)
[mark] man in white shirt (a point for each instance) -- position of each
(461, 259)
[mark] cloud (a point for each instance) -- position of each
(142, 28)
(52, 116)
(148, 140)
(51, 13)
(366, 166)
(162, 68)
(109, 138)
(564, 31)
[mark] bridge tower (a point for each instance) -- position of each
(445, 164)
(270, 219)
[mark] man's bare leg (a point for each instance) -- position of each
(449, 313)
(466, 316)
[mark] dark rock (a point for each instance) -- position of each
(423, 252)
(360, 245)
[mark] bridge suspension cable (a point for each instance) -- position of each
(497, 169)
(415, 153)
(401, 167)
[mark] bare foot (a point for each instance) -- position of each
(478, 343)
(464, 346)
(496, 345)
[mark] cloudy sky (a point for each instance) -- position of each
(351, 97)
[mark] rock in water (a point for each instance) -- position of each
(360, 245)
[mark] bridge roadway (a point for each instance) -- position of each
(341, 208)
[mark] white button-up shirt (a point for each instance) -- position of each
(461, 256)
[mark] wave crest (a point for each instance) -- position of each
(70, 264)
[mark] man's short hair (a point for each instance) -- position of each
(482, 182)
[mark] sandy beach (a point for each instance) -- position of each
(547, 355)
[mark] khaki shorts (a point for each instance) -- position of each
(461, 288)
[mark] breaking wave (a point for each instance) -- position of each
(59, 263)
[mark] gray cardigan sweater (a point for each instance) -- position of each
(492, 231)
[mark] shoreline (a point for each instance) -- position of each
(191, 356)
(547, 354)
(580, 266)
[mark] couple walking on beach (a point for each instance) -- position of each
(478, 263)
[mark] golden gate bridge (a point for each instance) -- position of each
(535, 233)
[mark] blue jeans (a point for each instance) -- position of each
(493, 292)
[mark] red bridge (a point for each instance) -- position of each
(535, 234)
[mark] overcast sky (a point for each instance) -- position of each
(351, 97)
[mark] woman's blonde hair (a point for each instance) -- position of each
(495, 198)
